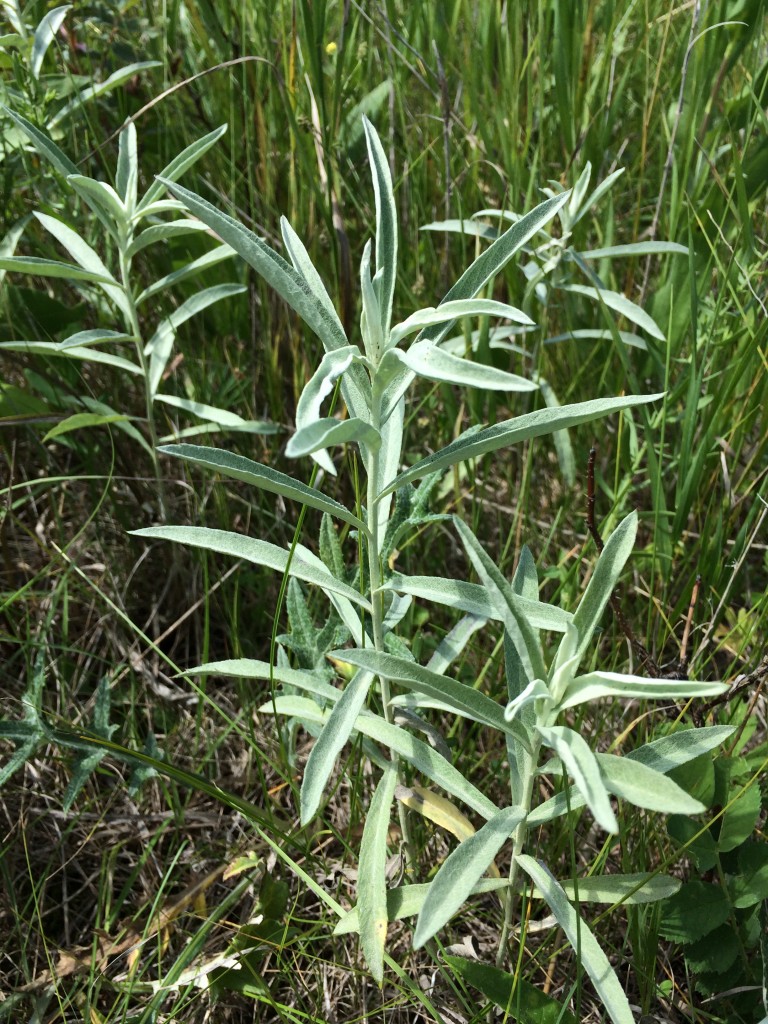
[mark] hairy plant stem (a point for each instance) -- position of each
(134, 329)
(518, 846)
(377, 601)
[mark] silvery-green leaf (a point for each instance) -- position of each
(322, 382)
(82, 420)
(329, 743)
(448, 312)
(45, 33)
(161, 233)
(222, 417)
(508, 604)
(495, 257)
(407, 901)
(595, 961)
(262, 427)
(463, 227)
(221, 252)
(52, 268)
(127, 177)
(43, 143)
(679, 747)
(179, 165)
(578, 194)
(633, 340)
(160, 345)
(279, 274)
(93, 355)
(87, 258)
(594, 685)
(536, 690)
(597, 194)
(93, 337)
(645, 787)
(237, 467)
(326, 432)
(260, 552)
(370, 323)
(609, 565)
(303, 264)
(562, 441)
(472, 444)
(372, 881)
(10, 240)
(461, 871)
(454, 642)
(250, 668)
(583, 767)
(474, 599)
(424, 758)
(386, 225)
(104, 196)
(92, 92)
(431, 362)
(462, 699)
(635, 249)
(620, 304)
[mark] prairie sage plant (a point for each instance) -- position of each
(381, 693)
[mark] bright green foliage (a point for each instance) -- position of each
(374, 378)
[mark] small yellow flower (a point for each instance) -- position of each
(331, 48)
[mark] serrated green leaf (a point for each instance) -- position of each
(461, 870)
(693, 912)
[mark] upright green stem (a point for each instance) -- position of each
(135, 330)
(377, 601)
(518, 846)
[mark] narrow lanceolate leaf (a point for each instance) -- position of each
(449, 312)
(583, 767)
(237, 467)
(162, 232)
(620, 304)
(180, 164)
(329, 743)
(327, 432)
(495, 257)
(645, 787)
(103, 195)
(520, 630)
(322, 382)
(260, 552)
(127, 177)
(91, 92)
(210, 259)
(52, 268)
(43, 143)
(251, 668)
(463, 700)
(474, 599)
(93, 355)
(45, 33)
(372, 880)
(613, 684)
(94, 337)
(431, 362)
(600, 587)
(593, 958)
(407, 901)
(279, 274)
(454, 881)
(635, 249)
(424, 758)
(386, 225)
(473, 444)
(679, 747)
(303, 264)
